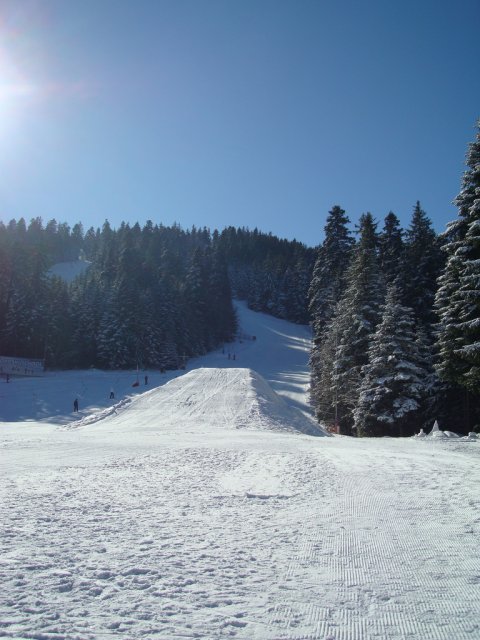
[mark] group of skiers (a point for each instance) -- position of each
(231, 356)
(112, 394)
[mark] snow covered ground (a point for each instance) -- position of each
(202, 506)
(68, 271)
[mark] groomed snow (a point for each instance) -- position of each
(207, 399)
(198, 507)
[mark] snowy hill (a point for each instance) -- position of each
(197, 506)
(208, 399)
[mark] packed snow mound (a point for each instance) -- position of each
(209, 399)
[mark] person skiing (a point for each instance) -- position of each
(75, 405)
(146, 379)
(112, 395)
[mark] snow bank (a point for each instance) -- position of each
(437, 433)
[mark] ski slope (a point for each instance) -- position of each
(205, 505)
(207, 399)
(279, 353)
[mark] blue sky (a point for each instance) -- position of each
(257, 113)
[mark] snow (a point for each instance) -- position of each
(198, 507)
(436, 432)
(207, 399)
(68, 271)
(470, 349)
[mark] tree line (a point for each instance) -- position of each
(151, 297)
(396, 320)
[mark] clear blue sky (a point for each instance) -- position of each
(258, 113)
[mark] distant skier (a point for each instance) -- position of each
(112, 395)
(75, 405)
(146, 380)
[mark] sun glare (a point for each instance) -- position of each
(15, 92)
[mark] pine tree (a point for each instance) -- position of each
(58, 321)
(292, 295)
(165, 315)
(430, 407)
(149, 332)
(458, 296)
(467, 301)
(88, 302)
(323, 396)
(195, 294)
(393, 384)
(7, 269)
(423, 262)
(328, 279)
(119, 338)
(107, 258)
(326, 288)
(25, 318)
(222, 320)
(356, 317)
(391, 248)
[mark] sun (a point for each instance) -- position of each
(16, 91)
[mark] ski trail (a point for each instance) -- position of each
(356, 573)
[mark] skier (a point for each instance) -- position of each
(75, 405)
(146, 380)
(112, 395)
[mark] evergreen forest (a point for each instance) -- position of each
(395, 313)
(396, 320)
(150, 297)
